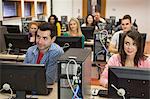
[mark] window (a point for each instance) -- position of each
(40, 8)
(9, 9)
(27, 9)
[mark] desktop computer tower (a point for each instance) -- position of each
(99, 52)
(74, 73)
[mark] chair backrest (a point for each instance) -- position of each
(3, 30)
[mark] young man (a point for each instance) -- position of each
(45, 52)
(126, 25)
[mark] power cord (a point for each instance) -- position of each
(69, 82)
(7, 87)
(121, 92)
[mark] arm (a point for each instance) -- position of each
(112, 48)
(58, 29)
(51, 66)
(113, 61)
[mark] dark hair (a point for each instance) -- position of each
(92, 18)
(127, 17)
(45, 26)
(56, 19)
(136, 36)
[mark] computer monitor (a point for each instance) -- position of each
(18, 41)
(69, 42)
(88, 32)
(134, 81)
(12, 28)
(24, 78)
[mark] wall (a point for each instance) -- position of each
(138, 9)
(70, 8)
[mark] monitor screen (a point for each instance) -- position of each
(28, 78)
(134, 81)
(69, 42)
(12, 28)
(88, 32)
(18, 41)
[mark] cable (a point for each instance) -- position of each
(71, 60)
(121, 92)
(66, 45)
(7, 87)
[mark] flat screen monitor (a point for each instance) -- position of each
(143, 40)
(69, 42)
(134, 81)
(24, 78)
(88, 32)
(17, 41)
(12, 28)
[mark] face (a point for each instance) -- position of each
(52, 20)
(90, 19)
(73, 25)
(43, 40)
(130, 46)
(126, 25)
(33, 28)
(97, 16)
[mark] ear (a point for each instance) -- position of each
(53, 39)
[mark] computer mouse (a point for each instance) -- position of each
(94, 92)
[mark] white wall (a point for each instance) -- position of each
(138, 9)
(70, 8)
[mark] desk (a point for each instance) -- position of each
(12, 57)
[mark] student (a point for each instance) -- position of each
(98, 19)
(75, 30)
(33, 27)
(126, 25)
(53, 20)
(45, 52)
(89, 21)
(130, 54)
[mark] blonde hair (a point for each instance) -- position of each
(78, 26)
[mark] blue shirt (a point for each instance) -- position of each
(49, 59)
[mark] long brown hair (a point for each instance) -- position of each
(136, 36)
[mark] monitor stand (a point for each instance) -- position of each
(22, 94)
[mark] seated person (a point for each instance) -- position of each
(126, 26)
(89, 21)
(33, 27)
(130, 54)
(53, 20)
(45, 52)
(74, 30)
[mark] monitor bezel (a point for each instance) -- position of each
(134, 81)
(27, 78)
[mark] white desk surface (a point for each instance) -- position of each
(9, 56)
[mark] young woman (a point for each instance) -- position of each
(75, 30)
(33, 27)
(53, 20)
(89, 21)
(130, 54)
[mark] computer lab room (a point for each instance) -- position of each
(74, 49)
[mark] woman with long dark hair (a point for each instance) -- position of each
(131, 54)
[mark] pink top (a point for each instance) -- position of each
(115, 60)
